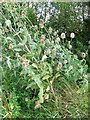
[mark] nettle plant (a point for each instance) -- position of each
(36, 57)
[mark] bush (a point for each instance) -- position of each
(33, 60)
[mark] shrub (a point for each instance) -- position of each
(33, 60)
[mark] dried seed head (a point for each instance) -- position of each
(41, 24)
(59, 66)
(42, 36)
(17, 54)
(72, 35)
(50, 30)
(24, 65)
(41, 62)
(24, 61)
(45, 53)
(83, 55)
(10, 46)
(23, 13)
(24, 57)
(63, 36)
(37, 104)
(27, 61)
(46, 96)
(57, 40)
(42, 41)
(19, 23)
(21, 60)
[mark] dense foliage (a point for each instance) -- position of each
(41, 75)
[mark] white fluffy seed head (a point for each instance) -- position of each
(63, 36)
(72, 35)
(8, 23)
(83, 55)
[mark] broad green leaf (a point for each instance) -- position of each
(39, 83)
(37, 80)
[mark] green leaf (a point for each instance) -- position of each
(30, 85)
(84, 87)
(46, 77)
(39, 83)
(37, 80)
(50, 69)
(17, 49)
(34, 65)
(41, 94)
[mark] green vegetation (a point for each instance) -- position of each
(45, 68)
